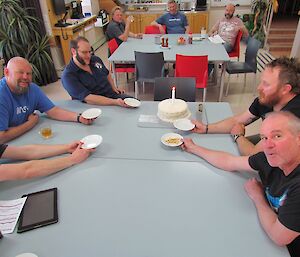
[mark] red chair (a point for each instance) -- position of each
(153, 29)
(236, 48)
(119, 67)
(195, 67)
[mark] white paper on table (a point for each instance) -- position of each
(9, 214)
(148, 118)
(216, 39)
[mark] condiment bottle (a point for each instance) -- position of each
(190, 38)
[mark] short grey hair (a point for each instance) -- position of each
(293, 121)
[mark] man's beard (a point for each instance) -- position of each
(20, 90)
(79, 59)
(228, 16)
(270, 101)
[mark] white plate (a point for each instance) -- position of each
(27, 255)
(132, 102)
(183, 124)
(163, 47)
(176, 138)
(91, 141)
(91, 113)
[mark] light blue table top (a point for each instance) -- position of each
(124, 138)
(125, 52)
(136, 198)
(134, 208)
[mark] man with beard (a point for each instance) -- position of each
(20, 98)
(87, 79)
(119, 29)
(278, 90)
(228, 28)
(176, 22)
(277, 196)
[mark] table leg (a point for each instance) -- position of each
(113, 68)
(222, 80)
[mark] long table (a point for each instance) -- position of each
(136, 198)
(216, 52)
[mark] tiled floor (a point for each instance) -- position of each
(239, 97)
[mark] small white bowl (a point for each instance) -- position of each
(91, 141)
(92, 113)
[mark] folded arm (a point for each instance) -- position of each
(14, 132)
(279, 234)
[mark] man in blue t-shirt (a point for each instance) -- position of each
(176, 22)
(277, 196)
(87, 79)
(20, 98)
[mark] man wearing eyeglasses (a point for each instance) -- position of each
(87, 79)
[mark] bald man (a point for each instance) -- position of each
(20, 98)
(228, 28)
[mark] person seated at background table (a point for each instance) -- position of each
(35, 167)
(277, 197)
(119, 29)
(228, 28)
(278, 89)
(175, 21)
(87, 79)
(20, 98)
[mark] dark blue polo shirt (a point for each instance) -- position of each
(175, 23)
(79, 83)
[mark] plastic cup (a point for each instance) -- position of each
(46, 131)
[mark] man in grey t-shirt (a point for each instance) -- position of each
(228, 28)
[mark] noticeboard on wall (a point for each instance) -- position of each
(214, 3)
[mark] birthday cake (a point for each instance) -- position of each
(170, 110)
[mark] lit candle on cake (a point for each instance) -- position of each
(173, 94)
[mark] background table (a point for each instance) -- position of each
(216, 52)
(121, 204)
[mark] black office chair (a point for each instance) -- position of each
(250, 64)
(147, 67)
(185, 88)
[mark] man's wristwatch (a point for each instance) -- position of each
(235, 137)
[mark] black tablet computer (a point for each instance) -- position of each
(40, 209)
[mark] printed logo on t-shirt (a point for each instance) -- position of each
(23, 109)
(98, 65)
(274, 201)
(174, 19)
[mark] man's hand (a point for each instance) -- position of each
(118, 90)
(86, 121)
(161, 29)
(120, 102)
(73, 146)
(255, 191)
(80, 154)
(238, 129)
(188, 145)
(139, 35)
(33, 119)
(129, 19)
(200, 128)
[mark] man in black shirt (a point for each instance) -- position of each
(278, 90)
(277, 196)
